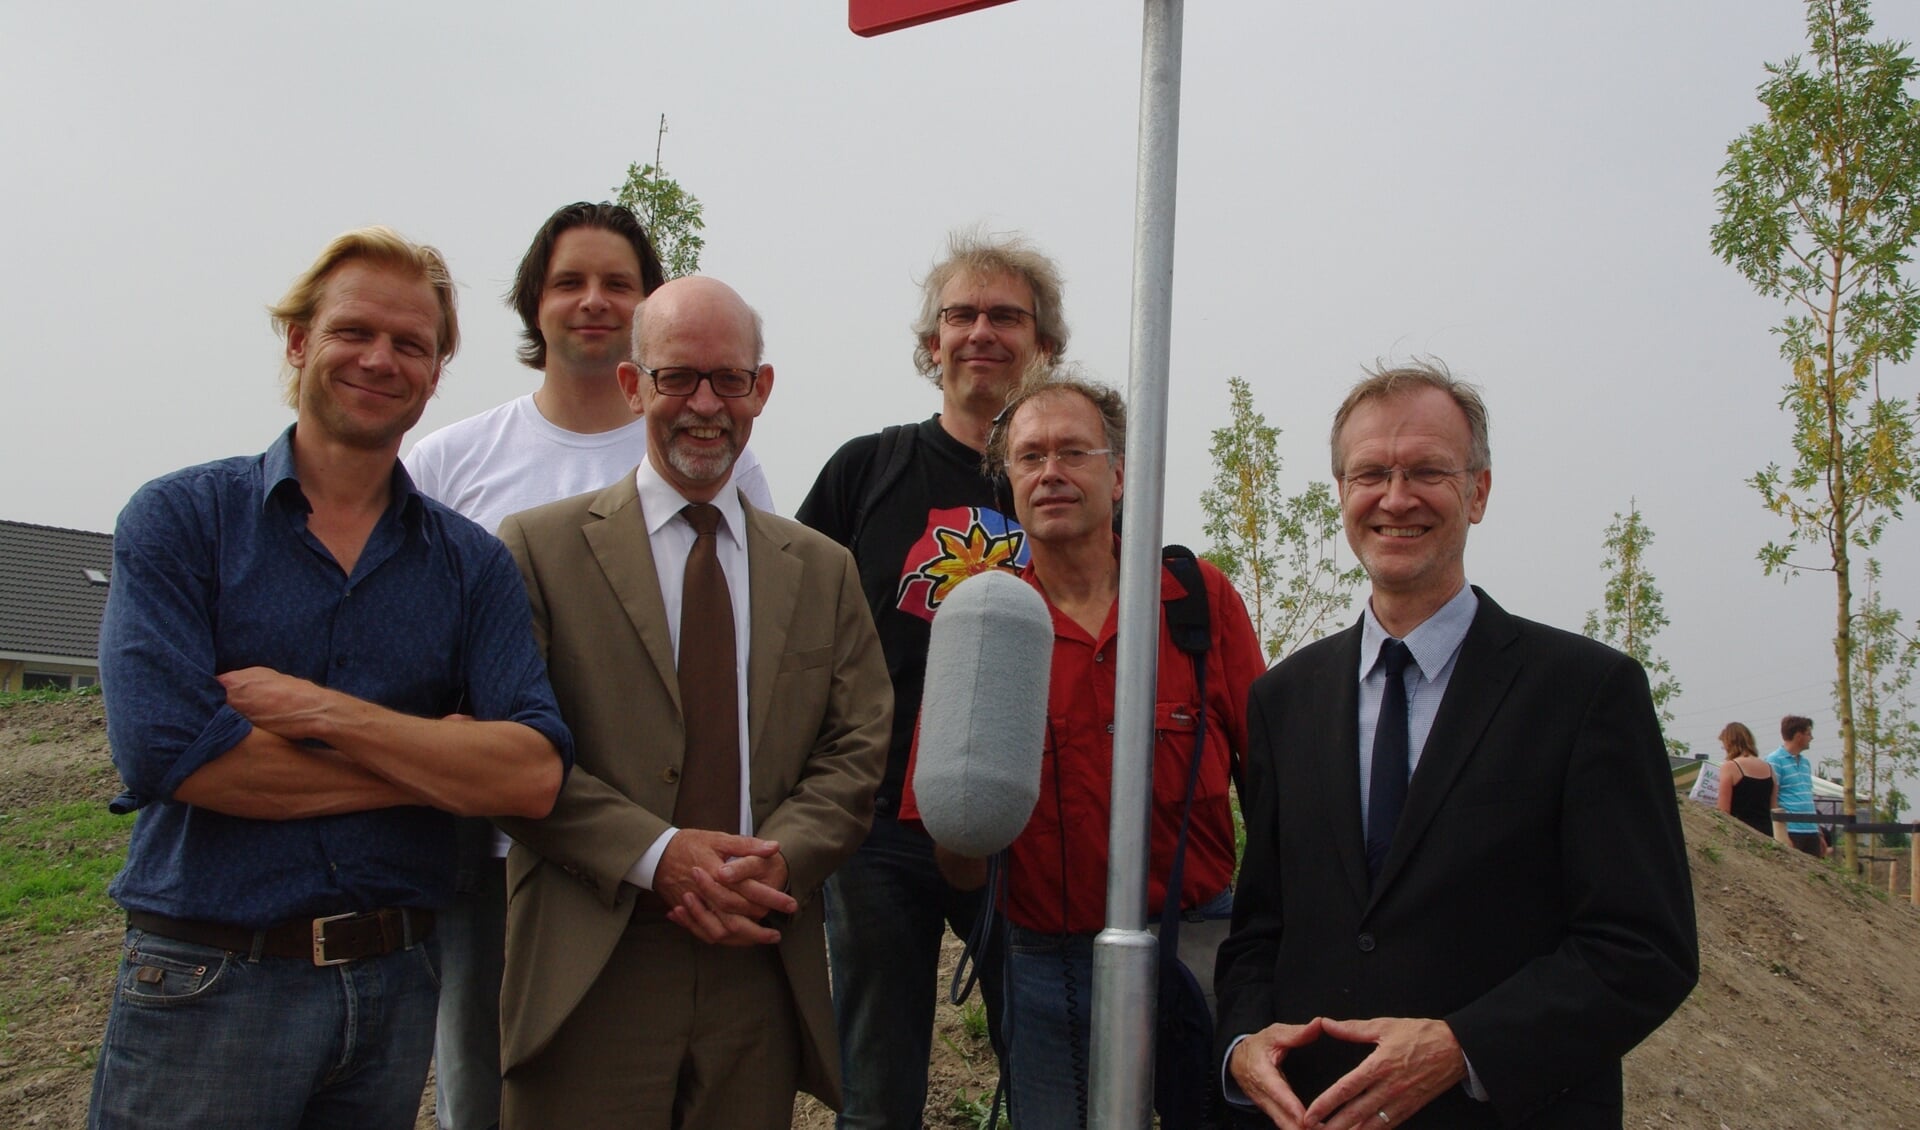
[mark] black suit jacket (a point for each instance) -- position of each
(1536, 897)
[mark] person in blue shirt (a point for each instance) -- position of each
(1795, 771)
(310, 669)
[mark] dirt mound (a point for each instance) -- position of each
(1807, 1014)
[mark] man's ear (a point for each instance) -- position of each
(297, 347)
(629, 376)
(762, 387)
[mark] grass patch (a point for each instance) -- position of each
(46, 694)
(977, 1110)
(55, 861)
(973, 1019)
(1710, 852)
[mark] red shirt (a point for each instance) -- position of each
(1057, 877)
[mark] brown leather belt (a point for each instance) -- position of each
(332, 940)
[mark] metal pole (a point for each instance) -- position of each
(1124, 980)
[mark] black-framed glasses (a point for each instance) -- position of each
(1071, 458)
(999, 317)
(1373, 478)
(677, 381)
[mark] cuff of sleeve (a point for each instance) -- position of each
(641, 873)
(1475, 1090)
(1229, 1086)
(226, 729)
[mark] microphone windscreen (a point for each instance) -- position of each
(983, 716)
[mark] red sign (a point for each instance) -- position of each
(877, 17)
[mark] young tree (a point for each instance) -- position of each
(1885, 731)
(1819, 206)
(670, 213)
(1635, 612)
(1280, 551)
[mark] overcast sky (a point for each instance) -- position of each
(1522, 190)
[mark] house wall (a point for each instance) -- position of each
(14, 672)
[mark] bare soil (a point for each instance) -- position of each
(1807, 1014)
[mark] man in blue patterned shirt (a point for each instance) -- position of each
(309, 670)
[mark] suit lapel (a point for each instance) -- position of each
(1338, 688)
(624, 552)
(773, 580)
(1486, 668)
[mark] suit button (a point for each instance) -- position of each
(671, 774)
(1366, 943)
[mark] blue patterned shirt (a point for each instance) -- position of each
(214, 569)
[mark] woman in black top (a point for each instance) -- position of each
(1749, 791)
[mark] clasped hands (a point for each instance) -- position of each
(1412, 1063)
(719, 886)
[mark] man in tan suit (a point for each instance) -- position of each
(663, 971)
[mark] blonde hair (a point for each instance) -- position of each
(377, 244)
(1738, 740)
(1402, 380)
(980, 255)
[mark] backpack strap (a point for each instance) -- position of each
(1189, 620)
(1190, 626)
(889, 465)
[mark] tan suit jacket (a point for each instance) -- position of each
(819, 709)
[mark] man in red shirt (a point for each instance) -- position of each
(1061, 445)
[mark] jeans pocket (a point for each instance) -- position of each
(161, 973)
(427, 953)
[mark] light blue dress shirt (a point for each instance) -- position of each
(1435, 645)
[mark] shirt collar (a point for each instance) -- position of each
(660, 503)
(1432, 643)
(280, 479)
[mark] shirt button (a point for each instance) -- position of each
(1366, 943)
(671, 774)
(1099, 657)
(1109, 727)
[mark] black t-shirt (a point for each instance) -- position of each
(935, 525)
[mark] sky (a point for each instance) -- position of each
(1520, 190)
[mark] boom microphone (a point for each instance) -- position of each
(983, 716)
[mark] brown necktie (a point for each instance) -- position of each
(709, 795)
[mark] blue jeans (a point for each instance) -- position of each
(199, 1037)
(1050, 1012)
(473, 954)
(887, 910)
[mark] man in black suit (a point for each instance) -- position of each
(1465, 908)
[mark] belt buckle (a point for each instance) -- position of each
(320, 939)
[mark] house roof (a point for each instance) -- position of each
(49, 605)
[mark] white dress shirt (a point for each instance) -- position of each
(671, 537)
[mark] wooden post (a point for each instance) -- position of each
(1913, 870)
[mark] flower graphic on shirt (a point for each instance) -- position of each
(958, 544)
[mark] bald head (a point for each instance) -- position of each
(696, 300)
(696, 343)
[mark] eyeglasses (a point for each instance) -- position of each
(727, 383)
(999, 317)
(1069, 458)
(1373, 478)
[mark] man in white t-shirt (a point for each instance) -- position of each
(575, 291)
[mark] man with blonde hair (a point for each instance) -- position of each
(919, 515)
(310, 669)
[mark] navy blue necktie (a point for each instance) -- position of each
(1387, 787)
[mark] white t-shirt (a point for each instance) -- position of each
(511, 458)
